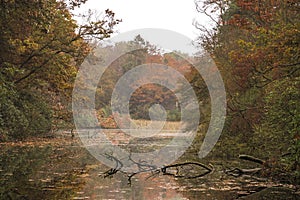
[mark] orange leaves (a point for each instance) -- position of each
(108, 122)
(154, 59)
(246, 4)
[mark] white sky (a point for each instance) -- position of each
(174, 15)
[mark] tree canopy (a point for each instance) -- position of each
(42, 47)
(256, 47)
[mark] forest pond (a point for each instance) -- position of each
(61, 168)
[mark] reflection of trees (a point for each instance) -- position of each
(39, 173)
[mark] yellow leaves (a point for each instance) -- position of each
(31, 44)
(14, 42)
(22, 49)
(235, 56)
(245, 45)
(23, 46)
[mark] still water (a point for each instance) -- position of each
(63, 169)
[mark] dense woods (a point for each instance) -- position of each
(140, 52)
(256, 45)
(42, 47)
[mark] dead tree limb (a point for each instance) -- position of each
(114, 170)
(252, 159)
(178, 166)
(237, 172)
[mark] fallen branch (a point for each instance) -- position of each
(186, 170)
(237, 172)
(180, 166)
(115, 170)
(252, 159)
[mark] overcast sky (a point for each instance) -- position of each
(175, 15)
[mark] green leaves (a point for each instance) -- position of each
(283, 117)
(22, 114)
(283, 106)
(41, 50)
(257, 49)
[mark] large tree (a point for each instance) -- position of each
(42, 47)
(256, 46)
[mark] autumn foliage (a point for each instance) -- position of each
(256, 47)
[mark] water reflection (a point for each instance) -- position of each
(65, 170)
(38, 173)
(69, 172)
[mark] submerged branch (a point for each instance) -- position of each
(237, 172)
(188, 170)
(252, 159)
(180, 166)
